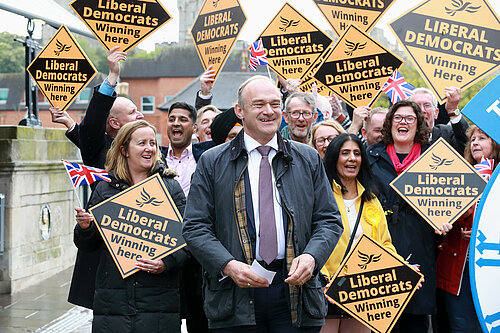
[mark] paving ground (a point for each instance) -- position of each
(43, 309)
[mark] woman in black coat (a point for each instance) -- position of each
(405, 137)
(146, 301)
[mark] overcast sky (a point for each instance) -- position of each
(258, 12)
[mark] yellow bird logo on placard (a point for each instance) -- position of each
(352, 46)
(288, 23)
(461, 6)
(367, 259)
(61, 47)
(215, 3)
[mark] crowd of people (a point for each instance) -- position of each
(282, 178)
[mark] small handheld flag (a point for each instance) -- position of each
(80, 174)
(257, 55)
(397, 88)
(84, 175)
(485, 167)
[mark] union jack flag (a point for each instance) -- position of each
(84, 175)
(485, 167)
(257, 55)
(397, 88)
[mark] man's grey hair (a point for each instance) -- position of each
(242, 87)
(368, 120)
(425, 91)
(306, 97)
(206, 108)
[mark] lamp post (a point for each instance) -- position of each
(30, 88)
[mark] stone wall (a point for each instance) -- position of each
(32, 177)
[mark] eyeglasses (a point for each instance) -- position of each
(304, 114)
(321, 141)
(408, 119)
(428, 106)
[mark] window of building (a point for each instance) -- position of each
(4, 94)
(147, 104)
(167, 98)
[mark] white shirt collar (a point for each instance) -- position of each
(188, 150)
(251, 143)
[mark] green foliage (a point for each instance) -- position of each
(11, 54)
(143, 54)
(96, 53)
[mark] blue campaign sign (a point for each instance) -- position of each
(484, 109)
(484, 257)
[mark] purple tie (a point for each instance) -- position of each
(268, 247)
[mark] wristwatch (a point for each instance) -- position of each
(454, 113)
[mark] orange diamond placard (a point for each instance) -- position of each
(61, 70)
(451, 42)
(357, 68)
(140, 222)
(293, 43)
(308, 79)
(215, 31)
(373, 285)
(121, 22)
(364, 14)
(440, 185)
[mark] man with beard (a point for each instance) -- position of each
(300, 114)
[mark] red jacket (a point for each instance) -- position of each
(452, 255)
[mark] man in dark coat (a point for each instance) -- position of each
(453, 133)
(221, 224)
(182, 155)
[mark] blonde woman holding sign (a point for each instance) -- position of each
(348, 171)
(147, 301)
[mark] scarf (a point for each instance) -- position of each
(412, 156)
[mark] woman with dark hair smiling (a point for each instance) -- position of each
(349, 173)
(405, 137)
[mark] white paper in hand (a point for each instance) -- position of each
(261, 271)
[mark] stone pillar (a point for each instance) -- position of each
(35, 183)
(188, 11)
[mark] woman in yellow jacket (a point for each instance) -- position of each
(347, 168)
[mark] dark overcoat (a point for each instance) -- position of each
(410, 233)
(141, 302)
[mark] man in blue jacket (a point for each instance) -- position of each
(261, 197)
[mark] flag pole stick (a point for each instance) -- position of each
(74, 188)
(268, 72)
(77, 197)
